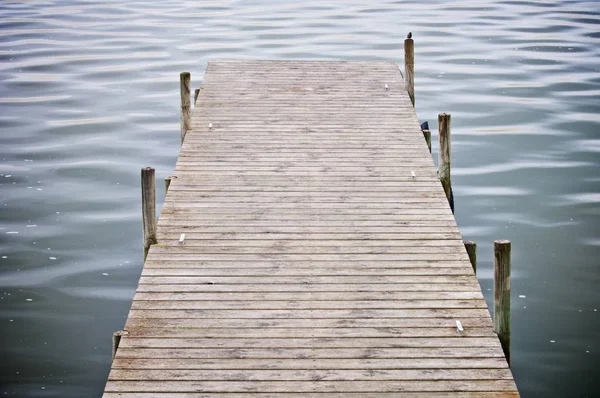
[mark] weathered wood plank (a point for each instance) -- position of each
(313, 264)
(306, 305)
(396, 394)
(355, 342)
(309, 386)
(250, 270)
(310, 296)
(307, 324)
(294, 375)
(311, 353)
(312, 332)
(305, 287)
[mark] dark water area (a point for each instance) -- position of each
(89, 94)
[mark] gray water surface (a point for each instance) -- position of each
(89, 94)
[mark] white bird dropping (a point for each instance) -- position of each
(181, 238)
(412, 173)
(210, 125)
(459, 327)
(386, 86)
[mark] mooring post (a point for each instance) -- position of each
(148, 208)
(196, 94)
(167, 184)
(186, 120)
(409, 67)
(444, 156)
(502, 294)
(116, 340)
(472, 252)
(427, 135)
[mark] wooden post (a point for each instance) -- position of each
(116, 340)
(186, 120)
(409, 67)
(472, 252)
(167, 184)
(444, 156)
(427, 135)
(196, 94)
(502, 294)
(148, 208)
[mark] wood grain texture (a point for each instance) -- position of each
(321, 257)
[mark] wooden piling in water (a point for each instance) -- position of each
(186, 112)
(116, 340)
(167, 184)
(472, 252)
(427, 135)
(196, 94)
(148, 208)
(502, 294)
(444, 156)
(409, 67)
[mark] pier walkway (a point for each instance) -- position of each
(321, 257)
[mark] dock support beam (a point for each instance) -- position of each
(502, 294)
(409, 67)
(148, 208)
(444, 156)
(186, 119)
(472, 252)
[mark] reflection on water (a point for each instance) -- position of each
(89, 95)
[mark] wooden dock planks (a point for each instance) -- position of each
(314, 263)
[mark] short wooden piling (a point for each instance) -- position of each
(148, 208)
(409, 67)
(444, 156)
(196, 94)
(167, 184)
(427, 135)
(502, 294)
(116, 340)
(472, 252)
(186, 119)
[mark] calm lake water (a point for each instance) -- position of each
(89, 94)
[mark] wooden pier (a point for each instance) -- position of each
(320, 255)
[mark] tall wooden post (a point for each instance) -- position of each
(444, 156)
(502, 294)
(186, 120)
(472, 252)
(409, 67)
(148, 208)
